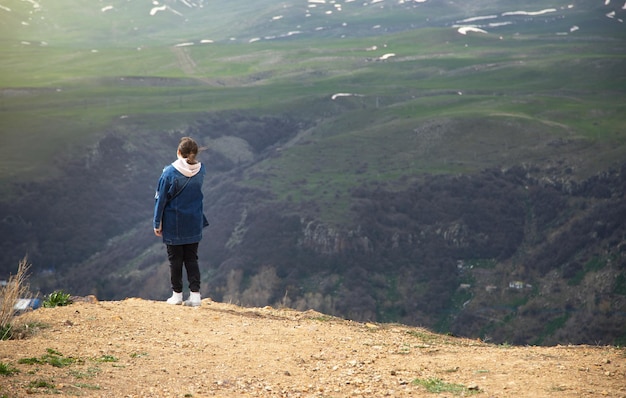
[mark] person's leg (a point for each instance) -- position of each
(175, 255)
(191, 266)
(193, 274)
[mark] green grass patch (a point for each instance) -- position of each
(107, 358)
(438, 386)
(42, 384)
(322, 318)
(87, 386)
(428, 338)
(88, 374)
(138, 354)
(57, 299)
(7, 370)
(52, 358)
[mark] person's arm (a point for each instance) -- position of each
(160, 199)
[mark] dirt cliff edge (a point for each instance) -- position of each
(141, 348)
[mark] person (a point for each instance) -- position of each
(179, 219)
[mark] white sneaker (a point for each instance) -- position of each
(194, 300)
(176, 299)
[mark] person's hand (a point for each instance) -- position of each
(158, 232)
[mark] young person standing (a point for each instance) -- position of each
(179, 219)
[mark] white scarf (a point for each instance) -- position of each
(186, 169)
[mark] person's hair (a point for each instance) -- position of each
(188, 149)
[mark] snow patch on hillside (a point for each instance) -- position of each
(530, 13)
(466, 29)
(386, 56)
(159, 8)
(339, 95)
(474, 19)
(154, 10)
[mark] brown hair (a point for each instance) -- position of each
(188, 149)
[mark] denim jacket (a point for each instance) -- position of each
(178, 206)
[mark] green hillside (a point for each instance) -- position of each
(337, 133)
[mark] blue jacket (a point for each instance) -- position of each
(177, 210)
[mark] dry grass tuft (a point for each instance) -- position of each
(15, 289)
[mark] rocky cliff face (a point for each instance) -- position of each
(507, 255)
(327, 240)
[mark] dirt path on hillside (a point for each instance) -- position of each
(187, 64)
(140, 348)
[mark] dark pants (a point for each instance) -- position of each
(186, 255)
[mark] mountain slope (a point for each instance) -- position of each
(451, 165)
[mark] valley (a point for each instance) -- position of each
(459, 167)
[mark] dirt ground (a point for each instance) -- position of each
(141, 348)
